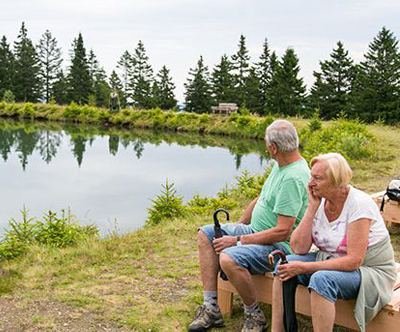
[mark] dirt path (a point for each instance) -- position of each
(18, 315)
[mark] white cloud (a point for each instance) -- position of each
(176, 32)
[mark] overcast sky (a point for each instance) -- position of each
(176, 32)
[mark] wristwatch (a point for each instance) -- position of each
(238, 242)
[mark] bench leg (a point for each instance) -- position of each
(225, 299)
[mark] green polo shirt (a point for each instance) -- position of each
(285, 193)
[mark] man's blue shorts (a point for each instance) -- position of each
(253, 257)
(330, 284)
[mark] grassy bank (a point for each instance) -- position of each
(249, 126)
(149, 280)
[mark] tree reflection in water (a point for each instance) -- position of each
(24, 137)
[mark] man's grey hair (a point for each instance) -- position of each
(283, 134)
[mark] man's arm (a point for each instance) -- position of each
(275, 234)
(279, 233)
(246, 216)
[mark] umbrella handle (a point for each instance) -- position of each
(280, 253)
(218, 232)
(217, 226)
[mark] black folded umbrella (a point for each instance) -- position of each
(218, 233)
(288, 294)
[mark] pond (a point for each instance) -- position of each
(108, 176)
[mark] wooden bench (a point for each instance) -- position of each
(224, 108)
(388, 319)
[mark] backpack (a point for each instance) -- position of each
(392, 192)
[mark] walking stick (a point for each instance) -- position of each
(218, 233)
(288, 294)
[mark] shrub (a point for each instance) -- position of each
(61, 231)
(315, 122)
(166, 206)
(72, 111)
(8, 97)
(28, 111)
(53, 231)
(347, 137)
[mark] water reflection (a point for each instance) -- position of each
(104, 174)
(26, 137)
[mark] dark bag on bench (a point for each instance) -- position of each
(392, 192)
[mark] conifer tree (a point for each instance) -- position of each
(116, 86)
(241, 65)
(79, 80)
(142, 78)
(6, 67)
(377, 88)
(100, 88)
(253, 92)
(222, 82)
(264, 72)
(163, 90)
(287, 92)
(198, 90)
(332, 88)
(60, 89)
(26, 78)
(50, 62)
(125, 66)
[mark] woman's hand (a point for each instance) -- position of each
(313, 200)
(224, 242)
(287, 271)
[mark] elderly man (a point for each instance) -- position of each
(265, 225)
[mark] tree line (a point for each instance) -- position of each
(30, 73)
(369, 90)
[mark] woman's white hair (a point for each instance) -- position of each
(338, 171)
(283, 134)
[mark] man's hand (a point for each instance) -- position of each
(287, 271)
(224, 242)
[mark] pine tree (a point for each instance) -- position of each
(222, 82)
(60, 89)
(6, 67)
(198, 90)
(253, 92)
(163, 90)
(100, 88)
(331, 90)
(116, 86)
(287, 92)
(142, 78)
(50, 63)
(26, 78)
(125, 65)
(377, 88)
(264, 72)
(269, 88)
(79, 80)
(241, 65)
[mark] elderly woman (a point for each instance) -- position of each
(355, 257)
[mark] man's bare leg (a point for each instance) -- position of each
(208, 262)
(240, 278)
(277, 307)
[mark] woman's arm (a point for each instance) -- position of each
(301, 239)
(357, 243)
